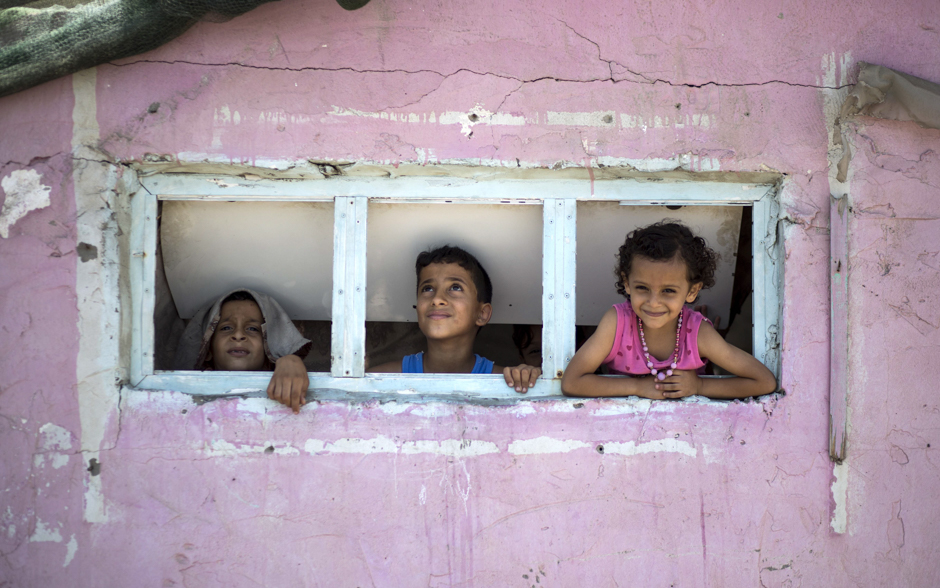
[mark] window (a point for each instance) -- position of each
(339, 255)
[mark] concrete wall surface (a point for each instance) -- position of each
(102, 485)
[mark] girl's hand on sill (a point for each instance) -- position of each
(680, 384)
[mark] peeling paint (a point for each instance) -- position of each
(364, 446)
(222, 448)
(447, 447)
(657, 446)
(54, 437)
(25, 192)
(71, 548)
(96, 288)
(479, 115)
(450, 447)
(541, 445)
(45, 533)
(840, 491)
(581, 119)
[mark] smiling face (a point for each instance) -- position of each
(238, 343)
(658, 290)
(447, 303)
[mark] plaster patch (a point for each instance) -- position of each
(96, 286)
(840, 495)
(395, 408)
(657, 446)
(541, 445)
(709, 455)
(222, 115)
(348, 445)
(581, 119)
(628, 406)
(222, 448)
(70, 549)
(313, 446)
(521, 410)
(59, 460)
(432, 411)
(44, 533)
(565, 407)
(463, 119)
(450, 447)
(259, 406)
(11, 531)
(54, 437)
(95, 509)
(156, 401)
(24, 193)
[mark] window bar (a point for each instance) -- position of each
(558, 290)
(142, 272)
(765, 287)
(349, 286)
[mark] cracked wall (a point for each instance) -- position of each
(107, 486)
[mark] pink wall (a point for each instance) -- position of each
(448, 495)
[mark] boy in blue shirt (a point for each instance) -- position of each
(454, 300)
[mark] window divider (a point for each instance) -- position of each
(559, 228)
(349, 286)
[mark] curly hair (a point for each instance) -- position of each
(664, 241)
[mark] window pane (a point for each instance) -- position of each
(506, 239)
(602, 228)
(283, 249)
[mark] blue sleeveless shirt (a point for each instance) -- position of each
(414, 364)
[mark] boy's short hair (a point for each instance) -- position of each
(451, 254)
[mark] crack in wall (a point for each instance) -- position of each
(611, 78)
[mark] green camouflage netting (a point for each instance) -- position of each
(45, 39)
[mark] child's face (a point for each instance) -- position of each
(447, 303)
(238, 343)
(658, 290)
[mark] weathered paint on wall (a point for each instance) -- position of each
(558, 493)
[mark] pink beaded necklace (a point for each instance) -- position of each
(646, 352)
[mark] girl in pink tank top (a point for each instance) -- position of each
(654, 336)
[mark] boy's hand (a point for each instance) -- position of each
(680, 384)
(289, 383)
(522, 377)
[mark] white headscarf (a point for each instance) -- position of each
(280, 335)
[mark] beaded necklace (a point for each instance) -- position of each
(646, 352)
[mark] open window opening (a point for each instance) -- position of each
(507, 241)
(206, 249)
(339, 256)
(602, 229)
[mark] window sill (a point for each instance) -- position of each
(413, 388)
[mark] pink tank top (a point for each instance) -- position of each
(626, 355)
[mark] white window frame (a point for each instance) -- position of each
(351, 196)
